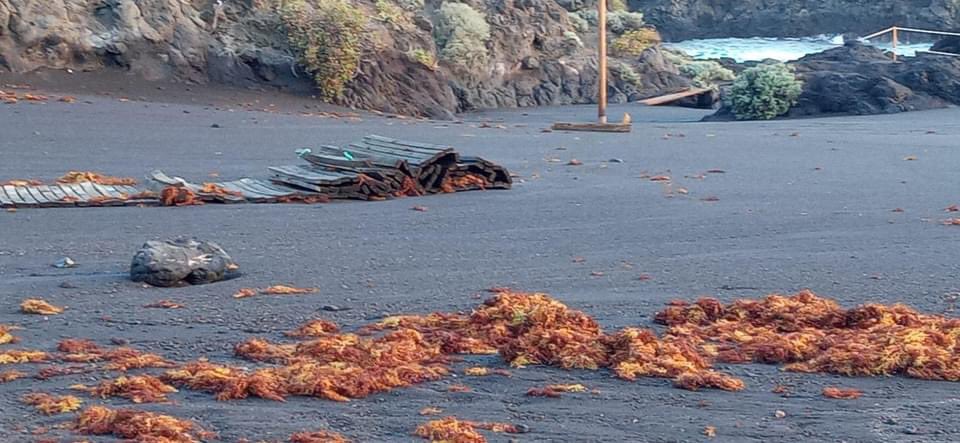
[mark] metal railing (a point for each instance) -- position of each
(894, 31)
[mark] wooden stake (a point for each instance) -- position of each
(602, 101)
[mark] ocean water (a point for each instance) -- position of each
(783, 49)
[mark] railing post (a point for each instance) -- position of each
(895, 43)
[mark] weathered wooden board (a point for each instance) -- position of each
(670, 98)
(592, 127)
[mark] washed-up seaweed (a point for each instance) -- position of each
(136, 388)
(140, 426)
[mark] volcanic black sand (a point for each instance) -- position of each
(800, 204)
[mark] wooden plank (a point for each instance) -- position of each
(670, 98)
(408, 143)
(69, 191)
(11, 192)
(57, 192)
(26, 197)
(593, 127)
(427, 153)
(247, 195)
(51, 197)
(5, 201)
(109, 191)
(260, 188)
(38, 196)
(251, 192)
(80, 192)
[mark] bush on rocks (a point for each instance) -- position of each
(706, 73)
(764, 92)
(633, 43)
(326, 38)
(462, 33)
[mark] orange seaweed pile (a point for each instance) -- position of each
(52, 404)
(17, 356)
(841, 393)
(39, 307)
(138, 426)
(5, 336)
(336, 367)
(179, 196)
(137, 388)
(468, 181)
(808, 333)
(318, 437)
(117, 359)
(535, 329)
(100, 179)
(449, 429)
(11, 375)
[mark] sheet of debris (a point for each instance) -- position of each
(375, 168)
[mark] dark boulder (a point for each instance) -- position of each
(856, 79)
(175, 262)
(949, 44)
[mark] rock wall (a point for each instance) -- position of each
(686, 19)
(532, 61)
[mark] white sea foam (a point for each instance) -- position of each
(783, 49)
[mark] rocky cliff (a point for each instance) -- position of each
(685, 19)
(534, 55)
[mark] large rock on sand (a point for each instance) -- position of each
(861, 80)
(175, 262)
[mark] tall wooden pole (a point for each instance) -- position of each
(602, 19)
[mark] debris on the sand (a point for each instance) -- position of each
(459, 388)
(842, 393)
(314, 328)
(287, 290)
(94, 177)
(174, 262)
(430, 410)
(64, 263)
(481, 371)
(136, 388)
(710, 431)
(555, 391)
(449, 429)
(39, 307)
(52, 404)
(318, 437)
(452, 429)
(273, 290)
(420, 208)
(245, 292)
(18, 356)
(779, 414)
(952, 222)
(11, 375)
(164, 304)
(138, 425)
(5, 336)
(813, 334)
(179, 196)
(118, 359)
(780, 389)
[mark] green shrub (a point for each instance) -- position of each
(424, 57)
(633, 43)
(461, 34)
(706, 73)
(764, 92)
(326, 39)
(628, 74)
(411, 5)
(572, 39)
(617, 5)
(388, 12)
(578, 22)
(619, 22)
